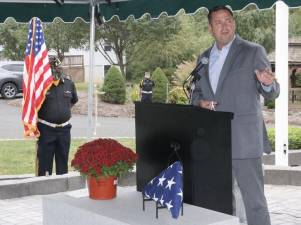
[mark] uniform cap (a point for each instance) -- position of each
(147, 74)
(54, 61)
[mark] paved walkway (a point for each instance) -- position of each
(284, 204)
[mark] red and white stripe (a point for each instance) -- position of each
(37, 79)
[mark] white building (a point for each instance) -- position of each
(76, 64)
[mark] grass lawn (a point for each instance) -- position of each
(81, 86)
(18, 156)
(84, 86)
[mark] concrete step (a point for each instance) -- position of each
(16, 187)
(24, 185)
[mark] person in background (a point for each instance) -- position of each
(237, 74)
(54, 122)
(146, 88)
(293, 78)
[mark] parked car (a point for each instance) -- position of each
(11, 78)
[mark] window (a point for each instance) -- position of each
(107, 46)
(106, 68)
(13, 67)
(72, 60)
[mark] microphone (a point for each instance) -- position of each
(204, 61)
(195, 77)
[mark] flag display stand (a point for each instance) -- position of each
(158, 205)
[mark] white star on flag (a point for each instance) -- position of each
(170, 183)
(146, 195)
(161, 200)
(152, 181)
(161, 180)
(169, 205)
(180, 194)
(155, 198)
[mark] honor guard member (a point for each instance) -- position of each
(54, 122)
(146, 87)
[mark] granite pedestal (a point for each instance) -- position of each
(77, 209)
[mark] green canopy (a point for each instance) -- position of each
(47, 10)
(23, 12)
(155, 7)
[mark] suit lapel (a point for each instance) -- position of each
(206, 68)
(232, 54)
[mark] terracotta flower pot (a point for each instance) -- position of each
(102, 188)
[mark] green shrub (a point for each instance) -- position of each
(161, 86)
(294, 137)
(135, 93)
(270, 104)
(114, 87)
(271, 136)
(177, 96)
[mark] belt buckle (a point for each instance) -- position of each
(58, 125)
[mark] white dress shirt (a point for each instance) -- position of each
(216, 61)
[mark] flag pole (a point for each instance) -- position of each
(37, 79)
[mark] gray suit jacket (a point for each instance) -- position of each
(238, 91)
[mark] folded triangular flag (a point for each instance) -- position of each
(167, 188)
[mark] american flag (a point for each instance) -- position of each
(37, 77)
(167, 188)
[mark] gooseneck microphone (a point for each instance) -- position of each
(194, 73)
(193, 77)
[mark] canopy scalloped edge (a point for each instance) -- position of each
(47, 12)
(124, 10)
(26, 22)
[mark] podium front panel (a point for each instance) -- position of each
(200, 138)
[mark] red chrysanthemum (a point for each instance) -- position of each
(103, 157)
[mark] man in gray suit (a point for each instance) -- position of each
(237, 74)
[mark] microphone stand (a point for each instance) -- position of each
(188, 88)
(195, 78)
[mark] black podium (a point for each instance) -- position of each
(200, 137)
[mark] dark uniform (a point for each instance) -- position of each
(146, 87)
(293, 78)
(54, 127)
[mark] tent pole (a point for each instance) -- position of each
(91, 72)
(281, 65)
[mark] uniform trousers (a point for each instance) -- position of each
(249, 176)
(145, 97)
(53, 143)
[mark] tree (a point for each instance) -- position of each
(166, 42)
(160, 90)
(257, 26)
(13, 37)
(152, 48)
(114, 87)
(118, 35)
(59, 36)
(62, 36)
(144, 38)
(182, 72)
(295, 22)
